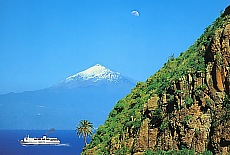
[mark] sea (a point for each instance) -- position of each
(71, 144)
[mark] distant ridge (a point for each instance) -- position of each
(89, 94)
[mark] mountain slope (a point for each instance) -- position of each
(65, 104)
(184, 106)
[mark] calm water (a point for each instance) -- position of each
(70, 143)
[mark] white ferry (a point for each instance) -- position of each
(39, 141)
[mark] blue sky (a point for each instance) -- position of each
(45, 41)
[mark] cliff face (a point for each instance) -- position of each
(185, 105)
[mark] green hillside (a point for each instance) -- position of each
(184, 107)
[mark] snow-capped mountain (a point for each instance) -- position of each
(95, 75)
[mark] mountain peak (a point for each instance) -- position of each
(95, 73)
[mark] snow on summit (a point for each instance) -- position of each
(95, 73)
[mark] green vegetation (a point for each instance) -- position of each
(85, 128)
(188, 101)
(175, 152)
(208, 102)
(148, 152)
(226, 107)
(207, 152)
(197, 131)
(186, 119)
(158, 113)
(164, 125)
(200, 89)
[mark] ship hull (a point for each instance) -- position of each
(39, 143)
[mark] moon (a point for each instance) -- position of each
(135, 13)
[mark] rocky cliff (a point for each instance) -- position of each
(184, 106)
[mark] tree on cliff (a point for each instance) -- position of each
(84, 128)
